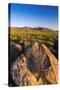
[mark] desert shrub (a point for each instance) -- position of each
(50, 39)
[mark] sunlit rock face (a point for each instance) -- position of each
(20, 73)
(37, 58)
(32, 67)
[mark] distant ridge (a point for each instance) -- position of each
(33, 28)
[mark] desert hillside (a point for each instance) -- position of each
(29, 35)
(33, 56)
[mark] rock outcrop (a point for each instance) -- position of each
(20, 73)
(33, 67)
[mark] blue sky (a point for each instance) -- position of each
(33, 15)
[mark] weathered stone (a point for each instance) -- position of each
(34, 66)
(20, 73)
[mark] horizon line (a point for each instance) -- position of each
(33, 27)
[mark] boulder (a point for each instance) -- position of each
(33, 67)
